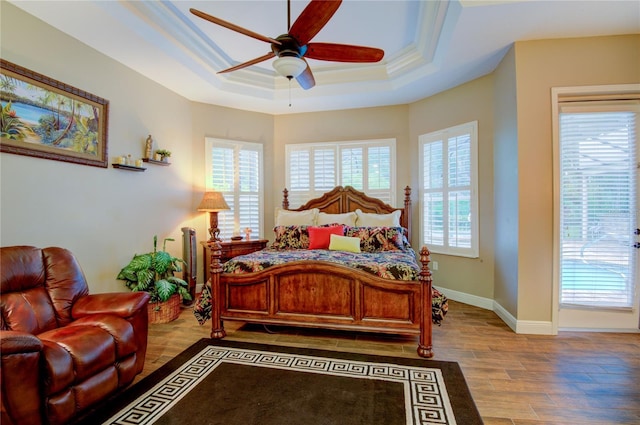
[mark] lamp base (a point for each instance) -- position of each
(214, 232)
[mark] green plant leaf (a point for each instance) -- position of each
(184, 293)
(165, 289)
(162, 262)
(145, 278)
(140, 262)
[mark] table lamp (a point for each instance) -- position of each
(213, 202)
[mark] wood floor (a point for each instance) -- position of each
(570, 379)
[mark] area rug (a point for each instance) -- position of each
(232, 383)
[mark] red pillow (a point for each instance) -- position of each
(320, 237)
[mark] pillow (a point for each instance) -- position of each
(378, 220)
(319, 237)
(348, 219)
(296, 218)
(291, 237)
(344, 243)
(379, 239)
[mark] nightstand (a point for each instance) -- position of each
(231, 249)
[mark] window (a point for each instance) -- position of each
(315, 168)
(449, 190)
(235, 169)
(597, 159)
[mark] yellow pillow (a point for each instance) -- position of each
(344, 243)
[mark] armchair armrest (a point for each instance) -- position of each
(20, 373)
(123, 304)
(16, 342)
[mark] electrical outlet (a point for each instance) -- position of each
(434, 265)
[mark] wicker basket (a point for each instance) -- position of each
(164, 312)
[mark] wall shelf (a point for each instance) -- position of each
(153, 161)
(128, 167)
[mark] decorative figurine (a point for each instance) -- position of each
(247, 233)
(148, 147)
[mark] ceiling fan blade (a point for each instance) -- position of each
(343, 53)
(248, 63)
(312, 19)
(233, 27)
(306, 79)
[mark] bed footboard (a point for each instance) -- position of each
(323, 295)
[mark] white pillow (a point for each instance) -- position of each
(296, 218)
(348, 219)
(378, 220)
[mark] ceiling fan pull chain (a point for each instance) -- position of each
(289, 78)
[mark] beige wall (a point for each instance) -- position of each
(541, 65)
(468, 102)
(505, 152)
(103, 215)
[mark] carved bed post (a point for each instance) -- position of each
(285, 199)
(426, 344)
(407, 208)
(217, 327)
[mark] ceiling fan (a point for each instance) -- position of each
(292, 48)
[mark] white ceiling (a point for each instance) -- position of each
(430, 46)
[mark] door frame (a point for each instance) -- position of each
(558, 94)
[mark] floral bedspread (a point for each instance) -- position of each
(393, 265)
(396, 265)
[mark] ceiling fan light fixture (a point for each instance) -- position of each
(289, 66)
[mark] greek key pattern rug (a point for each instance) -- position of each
(426, 398)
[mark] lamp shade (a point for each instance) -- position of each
(289, 66)
(213, 201)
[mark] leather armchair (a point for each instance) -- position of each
(62, 349)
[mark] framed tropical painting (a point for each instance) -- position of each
(45, 118)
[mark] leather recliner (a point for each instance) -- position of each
(62, 349)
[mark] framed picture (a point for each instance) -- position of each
(45, 118)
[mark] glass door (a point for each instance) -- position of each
(598, 241)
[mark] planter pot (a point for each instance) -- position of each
(164, 312)
(157, 157)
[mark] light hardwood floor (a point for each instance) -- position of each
(570, 379)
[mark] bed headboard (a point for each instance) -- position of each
(346, 199)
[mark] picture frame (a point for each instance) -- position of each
(45, 118)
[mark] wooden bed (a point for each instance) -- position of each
(324, 295)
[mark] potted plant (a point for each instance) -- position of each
(164, 154)
(153, 272)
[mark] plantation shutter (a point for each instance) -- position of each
(324, 170)
(352, 167)
(223, 180)
(248, 191)
(310, 171)
(449, 190)
(598, 204)
(313, 169)
(235, 169)
(379, 172)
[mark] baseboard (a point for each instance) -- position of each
(462, 297)
(506, 317)
(530, 327)
(618, 330)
